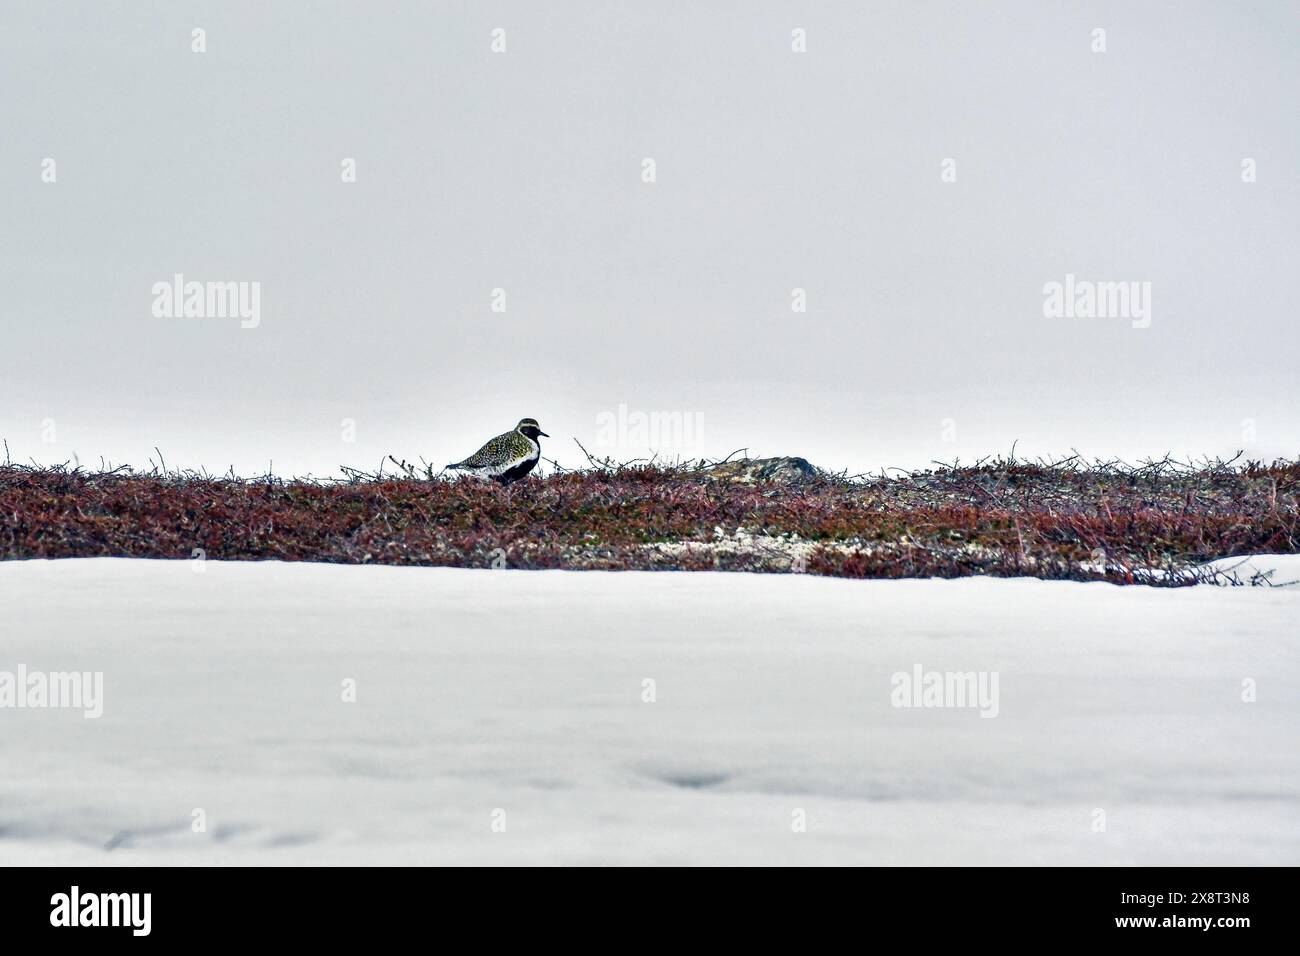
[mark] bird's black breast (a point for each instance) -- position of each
(511, 475)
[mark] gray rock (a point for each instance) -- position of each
(750, 471)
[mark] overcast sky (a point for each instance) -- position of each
(924, 334)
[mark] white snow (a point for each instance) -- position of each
(521, 691)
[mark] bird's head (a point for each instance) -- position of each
(529, 428)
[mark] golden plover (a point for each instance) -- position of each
(508, 457)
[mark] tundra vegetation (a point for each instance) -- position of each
(1153, 523)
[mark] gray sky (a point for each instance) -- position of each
(924, 336)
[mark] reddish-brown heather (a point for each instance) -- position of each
(1052, 520)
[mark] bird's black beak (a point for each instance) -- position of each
(542, 433)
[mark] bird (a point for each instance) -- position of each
(508, 457)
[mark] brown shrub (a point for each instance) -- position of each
(1053, 520)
